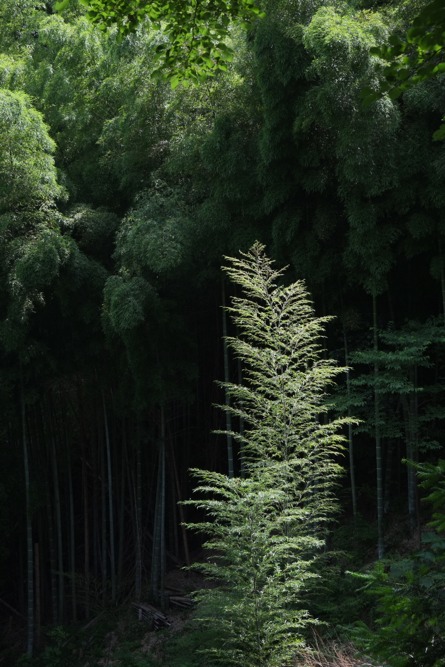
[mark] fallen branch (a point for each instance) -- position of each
(149, 613)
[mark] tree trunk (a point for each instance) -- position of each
(110, 502)
(58, 514)
(442, 278)
(388, 477)
(86, 536)
(121, 518)
(103, 519)
(411, 427)
(38, 616)
(72, 540)
(158, 553)
(138, 519)
(52, 562)
(180, 507)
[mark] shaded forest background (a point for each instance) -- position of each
(119, 197)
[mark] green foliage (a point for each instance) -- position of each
(402, 353)
(134, 138)
(33, 253)
(278, 148)
(409, 611)
(195, 33)
(139, 304)
(11, 72)
(266, 529)
(416, 55)
(151, 236)
(115, 637)
(286, 378)
(184, 649)
(124, 302)
(19, 20)
(410, 592)
(38, 260)
(93, 229)
(324, 162)
(65, 78)
(351, 543)
(59, 652)
(432, 479)
(260, 567)
(130, 655)
(27, 173)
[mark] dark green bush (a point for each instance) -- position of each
(409, 626)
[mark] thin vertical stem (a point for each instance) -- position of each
(378, 440)
(121, 518)
(350, 435)
(158, 553)
(37, 593)
(241, 422)
(72, 541)
(411, 428)
(138, 519)
(229, 437)
(162, 512)
(29, 542)
(110, 502)
(180, 506)
(60, 589)
(442, 278)
(86, 536)
(52, 561)
(103, 518)
(388, 476)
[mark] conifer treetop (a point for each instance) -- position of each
(265, 530)
(280, 347)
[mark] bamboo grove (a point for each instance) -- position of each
(119, 196)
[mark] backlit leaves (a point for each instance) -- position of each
(415, 56)
(27, 171)
(196, 31)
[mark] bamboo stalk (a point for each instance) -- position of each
(138, 519)
(29, 540)
(110, 501)
(378, 439)
(86, 537)
(350, 435)
(38, 613)
(72, 541)
(229, 438)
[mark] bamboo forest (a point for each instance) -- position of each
(222, 333)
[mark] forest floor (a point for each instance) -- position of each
(121, 636)
(117, 638)
(179, 646)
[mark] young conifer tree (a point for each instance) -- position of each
(266, 529)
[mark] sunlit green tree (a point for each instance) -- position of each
(266, 529)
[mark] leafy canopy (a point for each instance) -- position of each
(194, 41)
(27, 173)
(415, 56)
